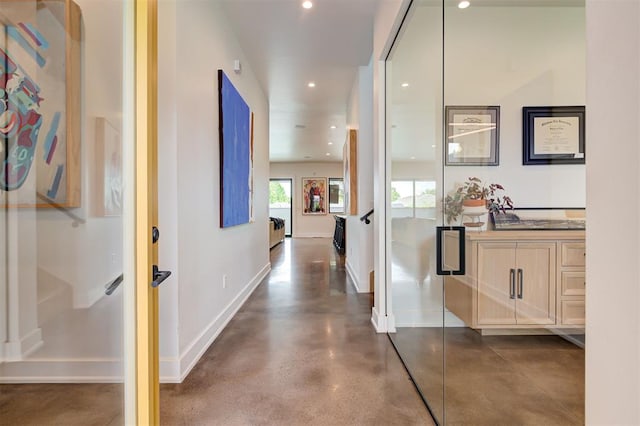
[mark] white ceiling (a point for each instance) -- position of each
(287, 47)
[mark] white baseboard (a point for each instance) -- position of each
(17, 350)
(379, 322)
(57, 371)
(170, 370)
(429, 319)
(97, 370)
(192, 354)
(391, 323)
(354, 277)
(313, 235)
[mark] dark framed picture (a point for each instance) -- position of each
(472, 135)
(553, 135)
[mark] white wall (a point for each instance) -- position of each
(189, 193)
(613, 234)
(307, 225)
(359, 244)
(90, 255)
(387, 22)
(168, 68)
(534, 56)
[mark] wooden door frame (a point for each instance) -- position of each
(147, 405)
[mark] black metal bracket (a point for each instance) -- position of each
(365, 218)
(111, 287)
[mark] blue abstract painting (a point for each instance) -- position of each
(235, 155)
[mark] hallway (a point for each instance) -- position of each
(302, 350)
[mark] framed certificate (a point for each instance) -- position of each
(553, 135)
(471, 135)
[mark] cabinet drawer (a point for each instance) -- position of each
(573, 254)
(573, 283)
(573, 312)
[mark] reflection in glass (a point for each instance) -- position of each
(414, 109)
(62, 130)
(502, 344)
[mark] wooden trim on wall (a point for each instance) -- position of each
(351, 171)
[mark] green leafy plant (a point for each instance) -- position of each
(475, 189)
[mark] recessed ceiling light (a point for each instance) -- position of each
(413, 158)
(311, 84)
(333, 127)
(464, 4)
(405, 84)
(330, 143)
(307, 4)
(433, 146)
(328, 154)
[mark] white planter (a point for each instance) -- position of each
(475, 218)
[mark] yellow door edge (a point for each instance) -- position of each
(146, 52)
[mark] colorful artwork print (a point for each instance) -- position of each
(34, 130)
(235, 155)
(20, 123)
(314, 194)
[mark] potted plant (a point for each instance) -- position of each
(478, 197)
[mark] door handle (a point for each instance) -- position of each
(461, 254)
(520, 284)
(159, 276)
(512, 283)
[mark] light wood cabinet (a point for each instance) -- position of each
(516, 283)
(572, 287)
(520, 279)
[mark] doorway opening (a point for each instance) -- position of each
(280, 202)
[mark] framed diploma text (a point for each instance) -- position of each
(553, 135)
(471, 135)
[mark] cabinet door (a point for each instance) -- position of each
(535, 303)
(496, 301)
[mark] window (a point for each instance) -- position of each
(413, 198)
(280, 202)
(278, 194)
(336, 195)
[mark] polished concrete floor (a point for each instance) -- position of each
(302, 350)
(495, 380)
